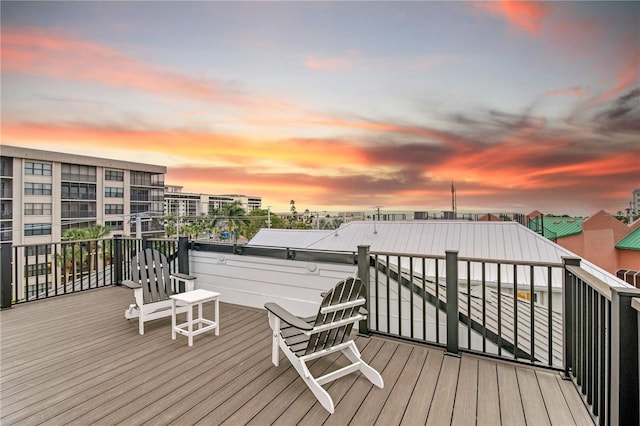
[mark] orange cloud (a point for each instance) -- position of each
(53, 54)
(525, 15)
(192, 146)
(332, 63)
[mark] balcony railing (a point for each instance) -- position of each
(588, 331)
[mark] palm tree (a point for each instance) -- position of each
(235, 216)
(72, 254)
(95, 233)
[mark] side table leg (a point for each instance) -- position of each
(217, 314)
(173, 319)
(190, 324)
(199, 316)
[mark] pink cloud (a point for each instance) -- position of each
(571, 91)
(54, 54)
(337, 63)
(527, 16)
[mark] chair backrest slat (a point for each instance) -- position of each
(346, 292)
(151, 270)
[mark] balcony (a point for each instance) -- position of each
(75, 359)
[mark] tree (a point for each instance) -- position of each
(257, 219)
(235, 217)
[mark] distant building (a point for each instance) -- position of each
(601, 239)
(188, 204)
(554, 227)
(635, 202)
(628, 250)
(44, 193)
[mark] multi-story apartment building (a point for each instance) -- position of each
(44, 193)
(185, 204)
(635, 202)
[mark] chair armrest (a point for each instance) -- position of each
(182, 276)
(131, 284)
(287, 317)
(189, 280)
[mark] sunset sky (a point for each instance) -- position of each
(340, 105)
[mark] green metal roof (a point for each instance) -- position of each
(631, 241)
(557, 227)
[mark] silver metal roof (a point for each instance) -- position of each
(500, 241)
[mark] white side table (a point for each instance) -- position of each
(190, 299)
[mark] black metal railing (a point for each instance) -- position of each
(590, 332)
(602, 344)
(478, 305)
(39, 271)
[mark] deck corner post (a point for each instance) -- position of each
(624, 384)
(117, 259)
(6, 287)
(451, 263)
(568, 333)
(363, 274)
(183, 255)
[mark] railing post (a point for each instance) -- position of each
(567, 316)
(183, 255)
(117, 259)
(363, 274)
(624, 358)
(6, 290)
(451, 261)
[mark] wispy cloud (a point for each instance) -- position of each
(335, 63)
(524, 15)
(55, 54)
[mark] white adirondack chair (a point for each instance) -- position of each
(302, 340)
(152, 285)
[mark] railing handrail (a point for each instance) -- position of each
(597, 284)
(469, 259)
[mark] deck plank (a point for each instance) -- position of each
(444, 397)
(420, 403)
(559, 412)
(510, 400)
(393, 411)
(466, 402)
(488, 398)
(535, 412)
(76, 360)
(371, 407)
(361, 387)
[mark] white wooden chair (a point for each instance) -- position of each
(152, 284)
(329, 331)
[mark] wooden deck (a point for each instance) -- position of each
(76, 360)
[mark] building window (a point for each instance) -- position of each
(31, 229)
(140, 194)
(73, 209)
(77, 172)
(76, 224)
(114, 225)
(6, 166)
(39, 269)
(110, 192)
(37, 209)
(39, 169)
(117, 175)
(114, 209)
(39, 250)
(78, 191)
(37, 188)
